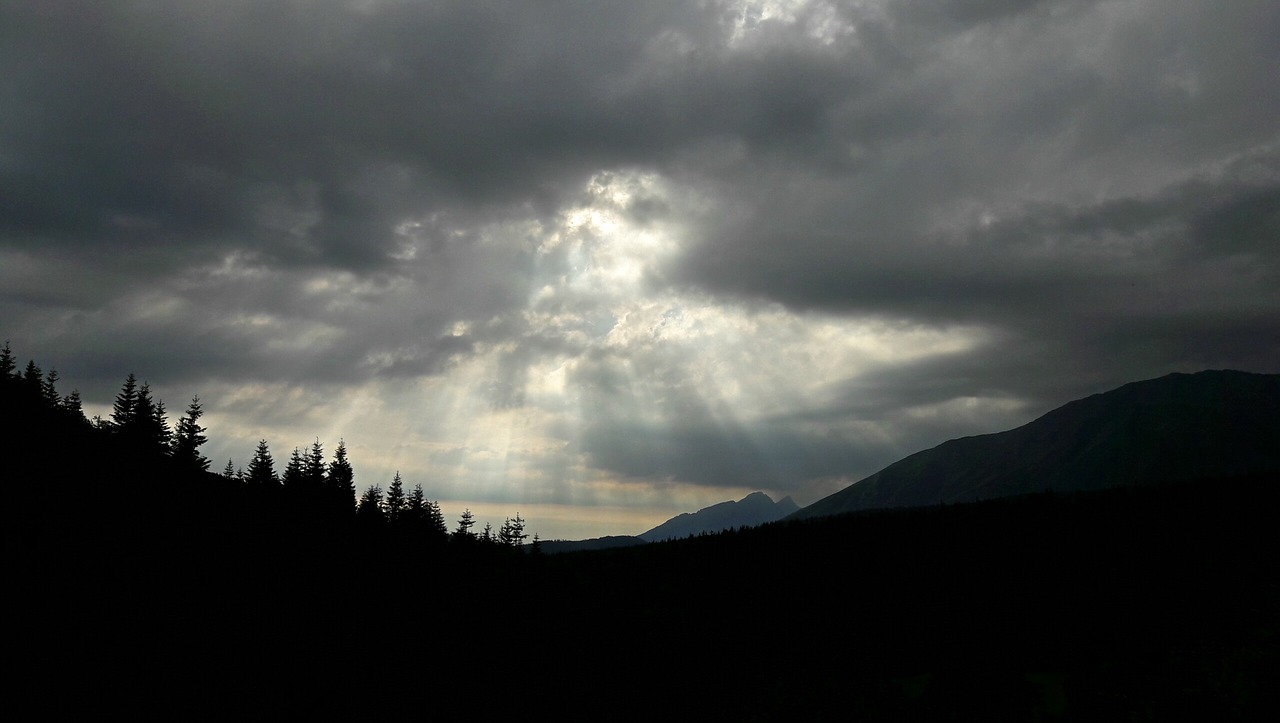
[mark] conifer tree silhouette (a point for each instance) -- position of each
(49, 390)
(313, 471)
(416, 510)
(437, 528)
(370, 510)
(262, 470)
(144, 409)
(122, 412)
(512, 532)
(33, 379)
(73, 407)
(8, 365)
(395, 504)
(189, 436)
(342, 478)
(147, 427)
(293, 471)
(162, 436)
(465, 523)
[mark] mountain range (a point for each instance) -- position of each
(1179, 427)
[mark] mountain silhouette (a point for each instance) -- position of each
(756, 508)
(1174, 428)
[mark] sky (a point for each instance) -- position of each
(600, 263)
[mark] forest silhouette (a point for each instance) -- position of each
(139, 577)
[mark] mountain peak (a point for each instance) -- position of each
(756, 508)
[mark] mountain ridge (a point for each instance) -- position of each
(1175, 427)
(754, 509)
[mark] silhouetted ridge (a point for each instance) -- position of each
(1177, 427)
(756, 508)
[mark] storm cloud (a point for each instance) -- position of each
(636, 254)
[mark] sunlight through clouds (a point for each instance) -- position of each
(635, 255)
(601, 346)
(820, 20)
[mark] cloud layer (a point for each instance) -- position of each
(636, 254)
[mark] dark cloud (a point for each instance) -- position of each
(381, 192)
(1060, 256)
(200, 120)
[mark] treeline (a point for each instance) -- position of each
(139, 426)
(138, 421)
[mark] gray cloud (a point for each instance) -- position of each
(339, 194)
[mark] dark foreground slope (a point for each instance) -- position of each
(1177, 427)
(136, 588)
(1146, 603)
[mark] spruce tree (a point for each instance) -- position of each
(148, 427)
(436, 525)
(189, 436)
(341, 477)
(229, 471)
(72, 405)
(122, 412)
(395, 502)
(512, 532)
(49, 390)
(8, 365)
(313, 472)
(417, 510)
(370, 509)
(144, 413)
(465, 522)
(262, 471)
(292, 477)
(518, 535)
(33, 380)
(162, 436)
